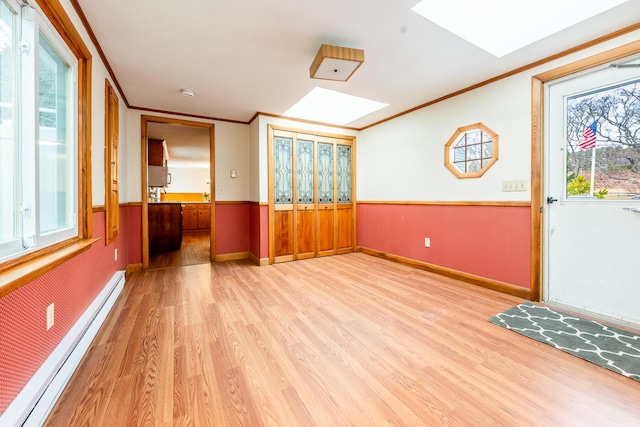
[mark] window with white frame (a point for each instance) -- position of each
(38, 133)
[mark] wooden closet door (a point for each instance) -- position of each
(283, 198)
(304, 200)
(326, 197)
(311, 195)
(345, 212)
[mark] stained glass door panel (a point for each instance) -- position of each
(344, 173)
(283, 170)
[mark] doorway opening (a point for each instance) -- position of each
(178, 206)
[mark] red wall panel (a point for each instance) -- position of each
(259, 228)
(25, 342)
(134, 235)
(232, 228)
(488, 241)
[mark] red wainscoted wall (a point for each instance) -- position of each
(488, 241)
(134, 236)
(232, 227)
(259, 230)
(25, 342)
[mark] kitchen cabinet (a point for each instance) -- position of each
(196, 216)
(165, 227)
(157, 153)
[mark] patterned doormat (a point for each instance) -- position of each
(607, 346)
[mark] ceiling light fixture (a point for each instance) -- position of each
(188, 92)
(336, 63)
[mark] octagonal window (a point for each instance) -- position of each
(471, 151)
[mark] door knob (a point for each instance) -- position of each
(551, 200)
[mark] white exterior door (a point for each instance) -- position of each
(592, 221)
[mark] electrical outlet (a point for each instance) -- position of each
(427, 242)
(50, 316)
(115, 254)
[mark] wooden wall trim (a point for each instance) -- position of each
(484, 282)
(446, 203)
(99, 209)
(258, 261)
(195, 116)
(537, 176)
(311, 122)
(231, 202)
(232, 256)
(132, 268)
(122, 205)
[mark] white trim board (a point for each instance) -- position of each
(33, 404)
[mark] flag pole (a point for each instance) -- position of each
(593, 170)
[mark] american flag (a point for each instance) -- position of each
(588, 139)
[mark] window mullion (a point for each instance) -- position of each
(28, 126)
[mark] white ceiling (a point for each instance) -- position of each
(246, 56)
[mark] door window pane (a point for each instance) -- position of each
(283, 170)
(603, 143)
(325, 173)
(305, 171)
(55, 142)
(344, 173)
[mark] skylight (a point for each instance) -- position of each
(328, 106)
(503, 26)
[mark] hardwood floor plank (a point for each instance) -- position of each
(337, 341)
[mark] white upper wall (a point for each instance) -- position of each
(231, 152)
(403, 159)
(188, 180)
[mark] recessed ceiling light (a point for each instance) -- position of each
(328, 106)
(188, 92)
(503, 26)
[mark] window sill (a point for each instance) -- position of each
(16, 276)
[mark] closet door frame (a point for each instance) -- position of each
(282, 218)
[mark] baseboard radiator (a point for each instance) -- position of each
(33, 404)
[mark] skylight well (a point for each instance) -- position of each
(328, 106)
(504, 26)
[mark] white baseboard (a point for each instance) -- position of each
(33, 404)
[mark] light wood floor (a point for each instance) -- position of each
(193, 250)
(348, 340)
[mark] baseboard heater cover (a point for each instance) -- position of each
(33, 404)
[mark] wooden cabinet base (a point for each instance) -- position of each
(165, 227)
(196, 217)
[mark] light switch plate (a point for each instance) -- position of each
(514, 185)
